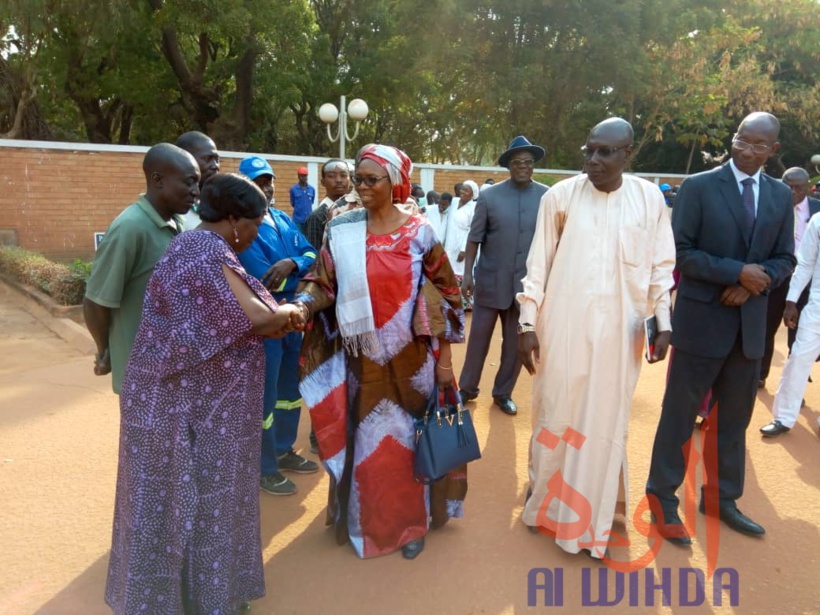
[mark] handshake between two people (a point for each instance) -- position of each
(753, 281)
(288, 318)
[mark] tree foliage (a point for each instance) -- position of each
(447, 80)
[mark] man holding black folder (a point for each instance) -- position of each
(601, 261)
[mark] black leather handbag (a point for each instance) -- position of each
(445, 437)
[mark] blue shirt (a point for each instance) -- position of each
(302, 199)
(278, 239)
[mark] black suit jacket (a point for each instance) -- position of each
(712, 247)
(814, 206)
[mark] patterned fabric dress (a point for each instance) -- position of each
(362, 407)
(186, 532)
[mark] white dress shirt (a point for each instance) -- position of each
(808, 272)
(802, 213)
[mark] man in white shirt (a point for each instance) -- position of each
(806, 346)
(438, 215)
(805, 207)
(601, 260)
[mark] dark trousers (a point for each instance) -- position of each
(478, 344)
(733, 380)
(774, 316)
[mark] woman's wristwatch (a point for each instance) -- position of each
(525, 328)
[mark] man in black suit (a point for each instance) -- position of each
(734, 233)
(797, 179)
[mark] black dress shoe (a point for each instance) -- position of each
(775, 428)
(735, 519)
(588, 553)
(466, 397)
(507, 405)
(673, 529)
(532, 528)
(412, 549)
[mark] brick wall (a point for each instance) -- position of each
(54, 200)
(54, 197)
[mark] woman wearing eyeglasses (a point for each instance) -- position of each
(385, 307)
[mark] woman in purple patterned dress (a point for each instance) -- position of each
(186, 533)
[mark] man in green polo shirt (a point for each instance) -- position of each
(133, 244)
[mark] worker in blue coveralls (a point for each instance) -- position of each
(279, 257)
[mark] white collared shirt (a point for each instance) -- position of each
(740, 176)
(807, 273)
(802, 213)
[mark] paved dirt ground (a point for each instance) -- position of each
(58, 451)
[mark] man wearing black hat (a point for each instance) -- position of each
(503, 225)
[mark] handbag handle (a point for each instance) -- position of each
(434, 405)
(451, 392)
(456, 400)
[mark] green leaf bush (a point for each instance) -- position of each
(63, 283)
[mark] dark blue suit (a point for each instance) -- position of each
(777, 303)
(718, 346)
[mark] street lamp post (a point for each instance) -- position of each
(328, 113)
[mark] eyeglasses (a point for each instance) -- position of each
(369, 181)
(603, 152)
(522, 164)
(757, 148)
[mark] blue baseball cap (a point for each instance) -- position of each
(254, 166)
(665, 187)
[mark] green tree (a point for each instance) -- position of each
(446, 80)
(23, 32)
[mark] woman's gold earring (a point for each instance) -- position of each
(235, 235)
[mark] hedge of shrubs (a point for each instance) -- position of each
(63, 283)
